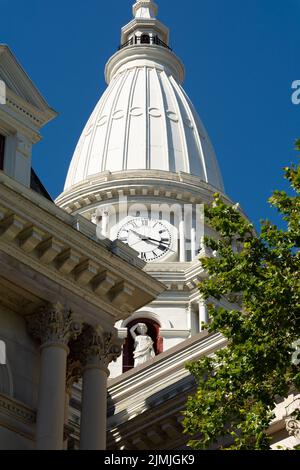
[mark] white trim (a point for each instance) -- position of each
(164, 324)
(174, 333)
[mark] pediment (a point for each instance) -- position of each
(17, 80)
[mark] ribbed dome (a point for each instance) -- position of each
(144, 120)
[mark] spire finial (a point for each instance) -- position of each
(145, 9)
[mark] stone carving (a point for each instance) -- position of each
(291, 421)
(293, 427)
(74, 372)
(143, 344)
(96, 348)
(53, 324)
(17, 410)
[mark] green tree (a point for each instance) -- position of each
(237, 388)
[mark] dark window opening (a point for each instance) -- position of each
(128, 348)
(145, 39)
(2, 149)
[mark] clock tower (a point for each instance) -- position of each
(142, 170)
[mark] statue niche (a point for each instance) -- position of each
(142, 344)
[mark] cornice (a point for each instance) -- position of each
(36, 117)
(12, 121)
(21, 86)
(182, 277)
(17, 409)
(57, 250)
(17, 417)
(108, 187)
(158, 427)
(145, 403)
(19, 115)
(145, 22)
(163, 367)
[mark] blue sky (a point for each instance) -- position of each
(241, 57)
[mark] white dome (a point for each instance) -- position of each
(144, 120)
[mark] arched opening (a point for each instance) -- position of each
(145, 39)
(128, 348)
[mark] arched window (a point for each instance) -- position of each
(128, 348)
(145, 39)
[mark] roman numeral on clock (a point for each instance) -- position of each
(134, 224)
(159, 250)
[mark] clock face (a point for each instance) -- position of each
(150, 237)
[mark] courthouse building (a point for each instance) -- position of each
(119, 248)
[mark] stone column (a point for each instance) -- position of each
(53, 326)
(105, 223)
(182, 257)
(193, 244)
(97, 349)
(203, 314)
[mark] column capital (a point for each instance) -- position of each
(293, 427)
(96, 348)
(202, 302)
(53, 325)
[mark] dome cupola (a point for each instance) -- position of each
(144, 119)
(145, 27)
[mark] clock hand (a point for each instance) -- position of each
(162, 244)
(154, 240)
(144, 237)
(151, 243)
(136, 233)
(150, 239)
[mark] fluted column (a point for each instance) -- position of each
(97, 349)
(53, 326)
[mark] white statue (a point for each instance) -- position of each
(143, 344)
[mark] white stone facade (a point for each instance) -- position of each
(72, 283)
(144, 153)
